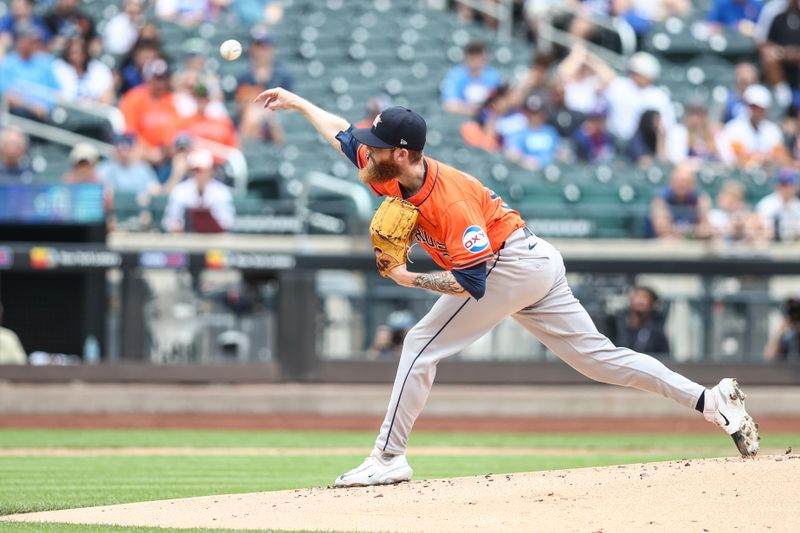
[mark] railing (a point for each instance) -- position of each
(502, 10)
(236, 162)
(549, 34)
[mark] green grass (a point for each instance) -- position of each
(38, 438)
(37, 483)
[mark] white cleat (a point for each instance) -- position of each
(725, 407)
(377, 469)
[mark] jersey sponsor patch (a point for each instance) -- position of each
(475, 239)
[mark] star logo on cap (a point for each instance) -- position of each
(376, 121)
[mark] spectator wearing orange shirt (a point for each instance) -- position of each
(150, 111)
(210, 123)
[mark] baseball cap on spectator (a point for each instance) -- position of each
(260, 35)
(644, 64)
(395, 127)
(758, 95)
(200, 159)
(124, 139)
(157, 68)
(84, 152)
(787, 176)
(200, 90)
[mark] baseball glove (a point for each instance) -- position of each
(391, 232)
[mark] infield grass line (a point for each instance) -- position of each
(165, 438)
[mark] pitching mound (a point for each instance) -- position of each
(715, 495)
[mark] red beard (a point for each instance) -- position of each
(376, 172)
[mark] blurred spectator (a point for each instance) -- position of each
(744, 75)
(535, 146)
(629, 96)
(648, 144)
(131, 70)
(188, 12)
(680, 211)
(150, 112)
(753, 140)
(592, 142)
(642, 326)
(785, 345)
(780, 210)
(269, 12)
(388, 340)
(695, 137)
(732, 220)
(13, 156)
(26, 75)
(20, 12)
(84, 158)
(125, 172)
(210, 123)
(791, 132)
(66, 20)
(498, 119)
(740, 15)
(642, 14)
(122, 30)
(80, 76)
(583, 74)
(466, 86)
(770, 10)
(11, 350)
(375, 105)
(193, 74)
(780, 55)
(265, 72)
(201, 203)
(175, 166)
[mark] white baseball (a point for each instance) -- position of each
(230, 49)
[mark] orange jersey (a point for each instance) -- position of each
(462, 223)
(155, 121)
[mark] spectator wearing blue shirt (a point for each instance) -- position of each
(535, 146)
(467, 86)
(13, 155)
(592, 141)
(265, 72)
(735, 14)
(126, 172)
(20, 12)
(680, 211)
(27, 77)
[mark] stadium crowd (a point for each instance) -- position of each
(569, 106)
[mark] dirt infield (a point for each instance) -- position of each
(714, 495)
(369, 423)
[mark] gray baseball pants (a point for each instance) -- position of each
(527, 281)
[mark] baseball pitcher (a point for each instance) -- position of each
(494, 266)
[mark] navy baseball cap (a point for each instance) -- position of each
(395, 127)
(786, 176)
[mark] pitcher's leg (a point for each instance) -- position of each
(564, 326)
(452, 324)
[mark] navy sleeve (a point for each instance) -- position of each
(349, 144)
(473, 279)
